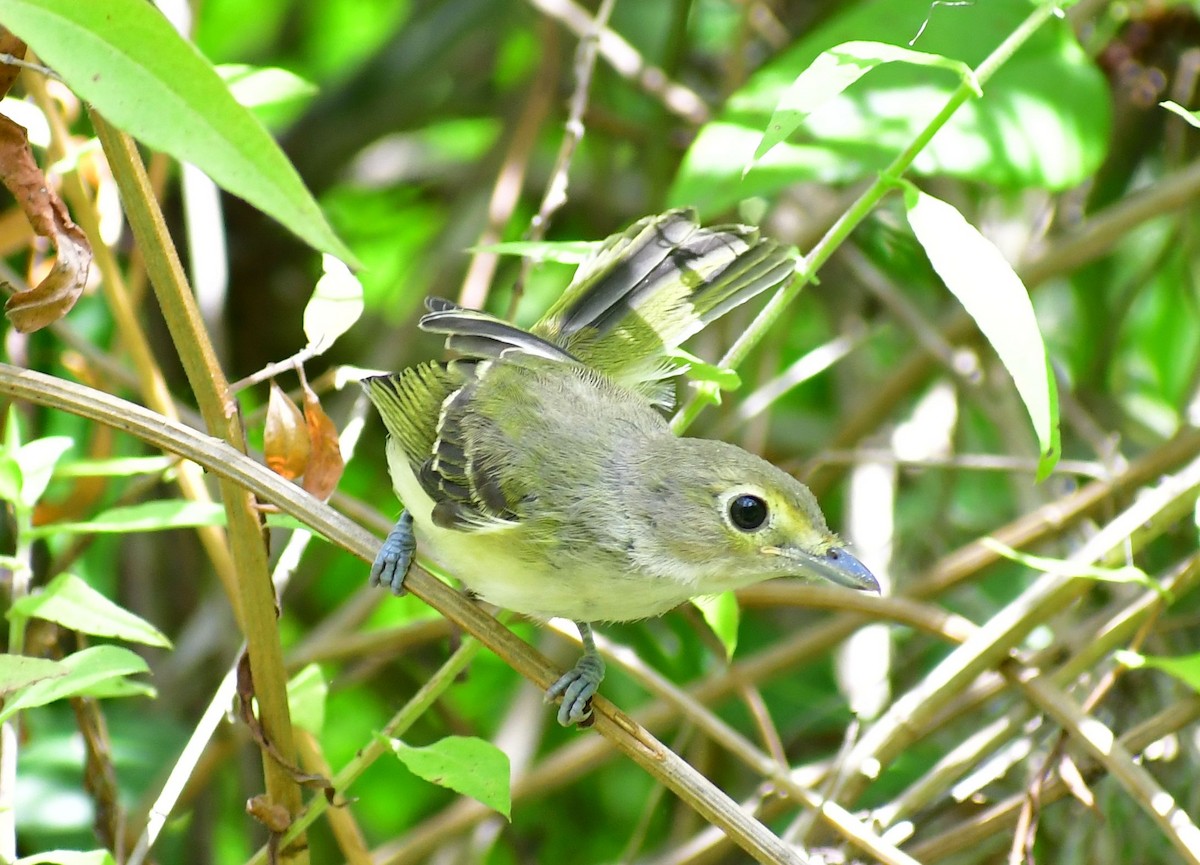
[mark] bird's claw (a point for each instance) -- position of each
(395, 556)
(577, 687)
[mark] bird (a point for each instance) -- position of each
(537, 466)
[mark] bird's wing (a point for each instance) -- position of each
(427, 409)
(651, 287)
(422, 409)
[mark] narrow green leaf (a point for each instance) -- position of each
(111, 689)
(307, 692)
(69, 857)
(37, 460)
(701, 370)
(114, 467)
(1191, 117)
(20, 671)
(146, 517)
(465, 764)
(563, 252)
(723, 615)
(85, 669)
(10, 479)
(126, 59)
(992, 293)
(74, 604)
(835, 70)
(336, 304)
(1185, 668)
(1126, 574)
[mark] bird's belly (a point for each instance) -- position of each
(569, 592)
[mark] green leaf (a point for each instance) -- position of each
(74, 604)
(126, 59)
(1043, 122)
(336, 304)
(85, 669)
(1191, 117)
(10, 479)
(723, 615)
(19, 671)
(835, 70)
(69, 857)
(307, 692)
(698, 369)
(465, 764)
(563, 251)
(992, 293)
(1185, 668)
(115, 467)
(1126, 574)
(37, 460)
(146, 517)
(258, 86)
(111, 689)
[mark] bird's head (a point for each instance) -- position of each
(724, 518)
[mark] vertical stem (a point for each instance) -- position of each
(256, 596)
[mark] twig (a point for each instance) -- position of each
(1153, 512)
(506, 191)
(627, 62)
(556, 188)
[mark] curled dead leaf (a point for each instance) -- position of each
(325, 463)
(55, 295)
(13, 47)
(286, 443)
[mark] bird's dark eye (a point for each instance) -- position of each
(748, 512)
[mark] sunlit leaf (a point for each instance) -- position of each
(467, 765)
(153, 516)
(1125, 574)
(723, 615)
(19, 671)
(992, 293)
(256, 86)
(161, 90)
(335, 306)
(835, 70)
(74, 604)
(1185, 668)
(1191, 117)
(37, 460)
(85, 669)
(114, 467)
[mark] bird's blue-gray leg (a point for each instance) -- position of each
(394, 557)
(578, 686)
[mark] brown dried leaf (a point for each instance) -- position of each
(9, 44)
(275, 817)
(325, 465)
(54, 296)
(286, 443)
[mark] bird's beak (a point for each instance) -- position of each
(841, 568)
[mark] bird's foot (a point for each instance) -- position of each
(395, 556)
(577, 687)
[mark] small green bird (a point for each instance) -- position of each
(537, 470)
